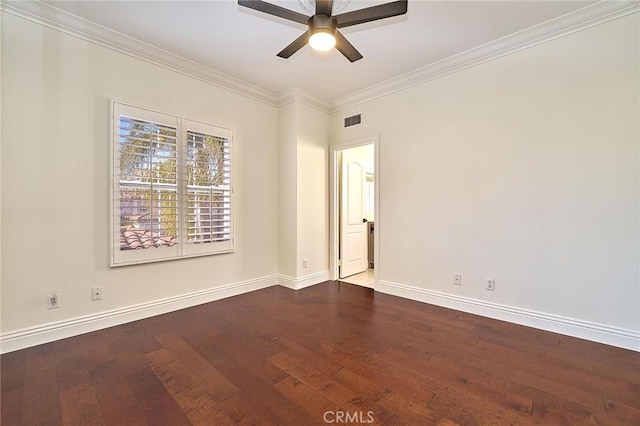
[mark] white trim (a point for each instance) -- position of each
(51, 17)
(50, 332)
(296, 94)
(581, 19)
(615, 336)
(302, 282)
(334, 238)
(183, 249)
(570, 23)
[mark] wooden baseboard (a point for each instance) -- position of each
(50, 332)
(304, 281)
(619, 337)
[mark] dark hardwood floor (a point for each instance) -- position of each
(329, 354)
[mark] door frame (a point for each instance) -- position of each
(334, 203)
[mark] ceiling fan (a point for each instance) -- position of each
(323, 31)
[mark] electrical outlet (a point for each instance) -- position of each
(305, 263)
(53, 300)
(96, 293)
(457, 279)
(490, 284)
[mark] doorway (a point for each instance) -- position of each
(354, 225)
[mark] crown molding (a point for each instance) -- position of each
(65, 22)
(57, 19)
(297, 94)
(570, 23)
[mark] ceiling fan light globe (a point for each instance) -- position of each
(322, 41)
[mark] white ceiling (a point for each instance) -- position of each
(243, 43)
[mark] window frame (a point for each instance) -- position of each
(183, 248)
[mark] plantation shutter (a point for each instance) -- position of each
(208, 204)
(145, 185)
(172, 191)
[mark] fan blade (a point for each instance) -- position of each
(295, 46)
(324, 7)
(372, 13)
(272, 9)
(346, 48)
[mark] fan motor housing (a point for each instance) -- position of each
(323, 23)
(323, 33)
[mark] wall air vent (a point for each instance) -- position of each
(352, 121)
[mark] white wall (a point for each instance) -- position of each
(524, 168)
(303, 191)
(287, 189)
(55, 193)
(1, 137)
(313, 191)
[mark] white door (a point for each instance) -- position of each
(353, 228)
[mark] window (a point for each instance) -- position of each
(172, 187)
